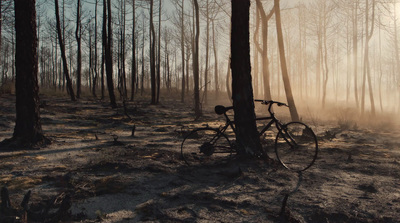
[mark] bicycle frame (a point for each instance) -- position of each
(289, 139)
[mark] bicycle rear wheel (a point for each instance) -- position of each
(296, 146)
(206, 146)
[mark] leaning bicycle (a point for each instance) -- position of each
(296, 145)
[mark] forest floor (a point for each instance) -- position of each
(114, 177)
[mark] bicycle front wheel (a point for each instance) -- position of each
(206, 146)
(296, 146)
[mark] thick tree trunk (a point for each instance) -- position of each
(242, 92)
(28, 129)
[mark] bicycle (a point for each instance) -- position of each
(296, 146)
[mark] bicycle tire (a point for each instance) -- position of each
(206, 146)
(296, 146)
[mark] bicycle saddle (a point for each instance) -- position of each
(220, 109)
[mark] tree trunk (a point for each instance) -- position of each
(216, 76)
(28, 128)
(79, 51)
(183, 53)
(288, 90)
(64, 58)
(95, 52)
(247, 135)
(355, 52)
(266, 74)
(152, 56)
(197, 108)
(257, 49)
(133, 76)
(159, 55)
(108, 57)
(207, 53)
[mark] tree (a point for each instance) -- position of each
(265, 61)
(152, 56)
(28, 128)
(196, 76)
(78, 35)
(70, 90)
(367, 72)
(95, 50)
(133, 76)
(242, 91)
(288, 90)
(107, 41)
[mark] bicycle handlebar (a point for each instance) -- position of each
(270, 102)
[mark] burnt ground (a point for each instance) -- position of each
(114, 177)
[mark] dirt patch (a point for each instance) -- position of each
(113, 176)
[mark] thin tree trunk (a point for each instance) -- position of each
(95, 51)
(207, 53)
(108, 56)
(159, 55)
(197, 108)
(216, 76)
(133, 76)
(289, 96)
(266, 74)
(79, 51)
(355, 52)
(64, 58)
(183, 53)
(152, 56)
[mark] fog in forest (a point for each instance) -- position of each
(111, 111)
(340, 55)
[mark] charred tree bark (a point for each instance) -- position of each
(28, 128)
(242, 91)
(108, 51)
(152, 56)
